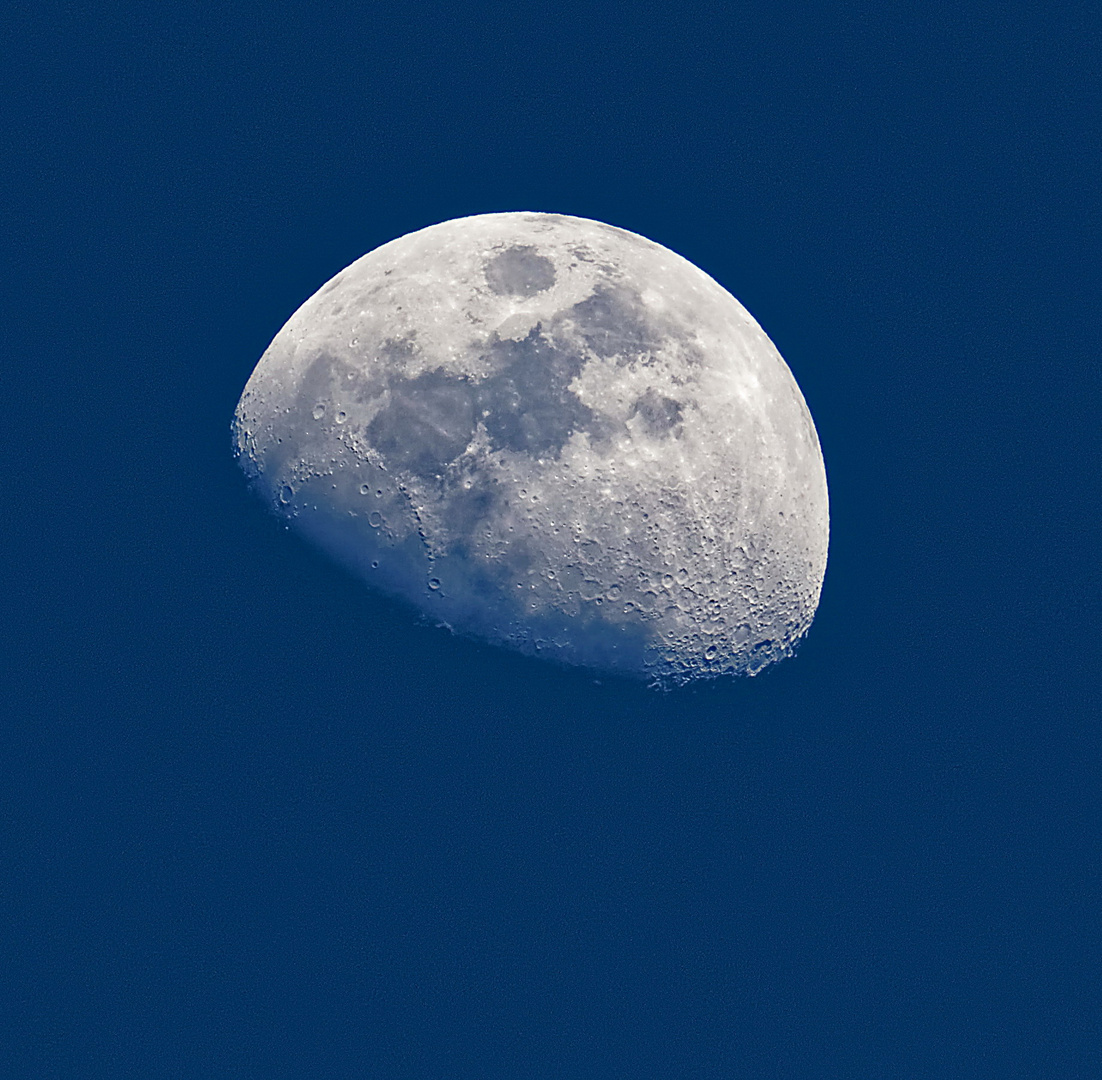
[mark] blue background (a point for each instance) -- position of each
(258, 823)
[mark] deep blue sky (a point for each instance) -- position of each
(257, 824)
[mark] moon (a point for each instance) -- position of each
(553, 435)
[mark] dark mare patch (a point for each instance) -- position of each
(468, 509)
(527, 404)
(520, 271)
(613, 322)
(426, 424)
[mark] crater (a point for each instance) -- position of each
(659, 414)
(520, 271)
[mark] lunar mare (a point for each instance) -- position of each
(554, 435)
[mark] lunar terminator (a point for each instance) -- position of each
(553, 435)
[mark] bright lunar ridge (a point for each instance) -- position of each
(554, 435)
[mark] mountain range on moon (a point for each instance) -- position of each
(554, 435)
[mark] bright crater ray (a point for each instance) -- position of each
(554, 435)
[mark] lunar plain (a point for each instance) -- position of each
(553, 435)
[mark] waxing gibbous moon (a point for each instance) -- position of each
(553, 435)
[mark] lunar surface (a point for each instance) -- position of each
(553, 435)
